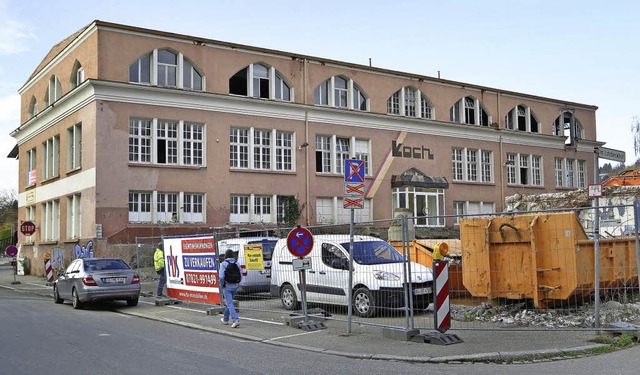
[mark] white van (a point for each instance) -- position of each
(377, 275)
(253, 281)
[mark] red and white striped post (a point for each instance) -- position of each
(48, 268)
(442, 313)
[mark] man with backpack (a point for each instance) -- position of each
(230, 278)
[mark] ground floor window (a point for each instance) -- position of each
(331, 210)
(471, 208)
(427, 205)
(162, 207)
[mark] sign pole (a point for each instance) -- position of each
(350, 289)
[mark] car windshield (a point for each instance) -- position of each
(105, 265)
(374, 252)
(267, 248)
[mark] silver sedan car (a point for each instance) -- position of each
(97, 279)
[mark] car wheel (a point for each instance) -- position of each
(56, 295)
(132, 302)
(75, 299)
(288, 297)
(363, 303)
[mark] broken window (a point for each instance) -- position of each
(566, 125)
(259, 81)
(521, 118)
(340, 92)
(469, 111)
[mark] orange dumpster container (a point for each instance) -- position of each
(546, 258)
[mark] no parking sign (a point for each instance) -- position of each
(300, 242)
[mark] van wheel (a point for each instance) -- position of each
(363, 303)
(288, 297)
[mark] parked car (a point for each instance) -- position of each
(378, 275)
(97, 279)
(253, 281)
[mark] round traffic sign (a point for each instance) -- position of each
(11, 251)
(27, 228)
(300, 242)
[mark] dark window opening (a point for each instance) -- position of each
(319, 161)
(238, 83)
(162, 151)
(534, 125)
(524, 172)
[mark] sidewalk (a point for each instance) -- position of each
(363, 342)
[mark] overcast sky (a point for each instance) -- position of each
(581, 51)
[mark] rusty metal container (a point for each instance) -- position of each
(546, 258)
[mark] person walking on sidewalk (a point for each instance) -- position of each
(158, 262)
(230, 278)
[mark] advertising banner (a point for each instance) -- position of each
(192, 272)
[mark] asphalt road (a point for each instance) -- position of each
(40, 337)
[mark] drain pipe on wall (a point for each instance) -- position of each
(306, 165)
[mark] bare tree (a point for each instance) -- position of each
(8, 208)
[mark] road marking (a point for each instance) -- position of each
(288, 336)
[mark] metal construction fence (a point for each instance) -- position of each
(537, 270)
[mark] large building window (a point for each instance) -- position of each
(165, 207)
(74, 216)
(570, 173)
(566, 125)
(460, 209)
(332, 151)
(166, 142)
(74, 147)
(524, 169)
(251, 148)
(33, 107)
(31, 167)
(54, 91)
(50, 221)
(51, 158)
(472, 165)
(340, 92)
(260, 81)
(77, 75)
(331, 210)
(426, 204)
(416, 104)
(521, 118)
(164, 67)
(469, 110)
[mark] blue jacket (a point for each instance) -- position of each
(223, 268)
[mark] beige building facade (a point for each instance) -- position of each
(130, 132)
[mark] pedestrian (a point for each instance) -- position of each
(230, 278)
(158, 263)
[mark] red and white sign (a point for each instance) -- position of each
(300, 242)
(191, 267)
(27, 228)
(442, 313)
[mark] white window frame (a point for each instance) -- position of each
(330, 210)
(407, 196)
(140, 207)
(74, 216)
(330, 150)
(410, 102)
(50, 215)
(193, 207)
(472, 165)
(462, 208)
(166, 207)
(146, 136)
(54, 91)
(570, 173)
(255, 149)
(460, 112)
(51, 158)
(512, 121)
(328, 94)
(74, 147)
(516, 163)
(195, 81)
(31, 176)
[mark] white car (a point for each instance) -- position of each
(253, 281)
(378, 275)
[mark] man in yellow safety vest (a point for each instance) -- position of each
(158, 262)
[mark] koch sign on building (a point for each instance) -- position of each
(611, 154)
